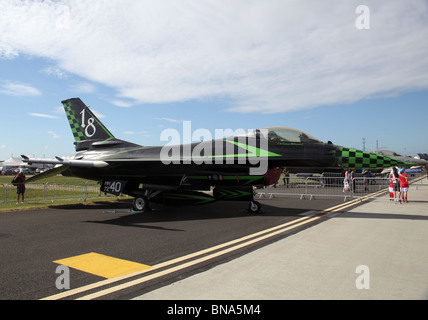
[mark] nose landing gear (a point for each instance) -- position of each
(255, 207)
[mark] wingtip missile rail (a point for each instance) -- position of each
(70, 163)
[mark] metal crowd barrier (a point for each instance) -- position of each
(311, 188)
(317, 187)
(52, 191)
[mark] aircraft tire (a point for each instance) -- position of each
(140, 203)
(254, 207)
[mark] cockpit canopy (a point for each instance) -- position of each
(282, 135)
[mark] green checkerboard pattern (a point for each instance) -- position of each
(353, 158)
(74, 123)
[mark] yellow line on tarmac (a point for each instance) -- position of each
(256, 237)
(102, 265)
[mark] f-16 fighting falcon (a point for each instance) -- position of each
(179, 174)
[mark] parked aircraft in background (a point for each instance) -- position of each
(414, 162)
(422, 156)
(393, 155)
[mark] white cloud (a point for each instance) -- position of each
(59, 110)
(261, 56)
(54, 135)
(84, 87)
(136, 132)
(42, 115)
(55, 72)
(18, 89)
(122, 104)
(6, 52)
(169, 120)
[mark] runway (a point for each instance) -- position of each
(150, 254)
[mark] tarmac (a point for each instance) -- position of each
(377, 250)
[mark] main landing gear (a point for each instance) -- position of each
(141, 203)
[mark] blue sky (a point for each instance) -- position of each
(145, 66)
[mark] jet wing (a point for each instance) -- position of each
(47, 174)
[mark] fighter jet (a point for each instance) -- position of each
(196, 173)
(394, 155)
(422, 156)
(414, 163)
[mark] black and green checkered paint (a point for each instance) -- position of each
(73, 119)
(352, 158)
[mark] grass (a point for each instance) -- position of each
(51, 191)
(8, 179)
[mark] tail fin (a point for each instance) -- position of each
(88, 131)
(83, 122)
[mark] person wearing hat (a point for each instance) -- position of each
(19, 181)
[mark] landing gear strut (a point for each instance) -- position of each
(254, 207)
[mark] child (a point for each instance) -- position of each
(346, 181)
(404, 186)
(391, 186)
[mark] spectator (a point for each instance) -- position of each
(19, 182)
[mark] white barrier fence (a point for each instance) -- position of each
(314, 187)
(330, 187)
(52, 191)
